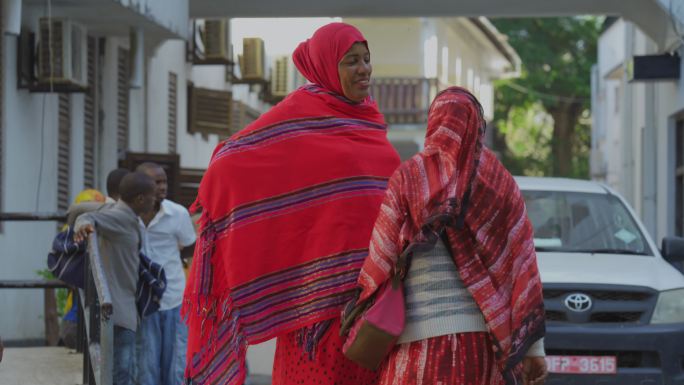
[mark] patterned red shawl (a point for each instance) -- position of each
(459, 185)
(288, 206)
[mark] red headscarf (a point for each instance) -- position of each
(457, 185)
(288, 207)
(312, 57)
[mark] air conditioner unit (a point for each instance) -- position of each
(62, 53)
(252, 59)
(212, 42)
(280, 85)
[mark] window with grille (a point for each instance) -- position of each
(63, 153)
(89, 118)
(173, 112)
(123, 77)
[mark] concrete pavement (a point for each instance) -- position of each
(41, 366)
(61, 366)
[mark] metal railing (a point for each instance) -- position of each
(96, 331)
(49, 305)
(97, 311)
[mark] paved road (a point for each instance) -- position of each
(41, 366)
(61, 366)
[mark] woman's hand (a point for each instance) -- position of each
(534, 370)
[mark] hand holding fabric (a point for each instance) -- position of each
(83, 232)
(534, 370)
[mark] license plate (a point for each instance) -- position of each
(582, 364)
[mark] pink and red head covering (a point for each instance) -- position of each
(317, 58)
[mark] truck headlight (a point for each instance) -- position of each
(670, 307)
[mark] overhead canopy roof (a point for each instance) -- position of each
(650, 15)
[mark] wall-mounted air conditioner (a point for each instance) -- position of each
(280, 84)
(211, 42)
(62, 53)
(252, 60)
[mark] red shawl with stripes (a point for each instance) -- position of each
(288, 206)
(458, 185)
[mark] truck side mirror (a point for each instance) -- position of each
(673, 249)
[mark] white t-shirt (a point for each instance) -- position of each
(169, 231)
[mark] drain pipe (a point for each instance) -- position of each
(626, 121)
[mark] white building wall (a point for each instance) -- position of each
(666, 104)
(452, 50)
(638, 119)
(77, 161)
(108, 157)
(173, 15)
(30, 139)
(195, 151)
(30, 123)
(168, 57)
(30, 129)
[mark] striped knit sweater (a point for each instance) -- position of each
(437, 302)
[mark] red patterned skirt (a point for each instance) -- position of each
(292, 365)
(456, 359)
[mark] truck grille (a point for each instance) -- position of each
(616, 317)
(601, 295)
(555, 316)
(583, 303)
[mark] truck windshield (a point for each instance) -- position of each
(583, 223)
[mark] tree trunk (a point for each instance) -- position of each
(565, 116)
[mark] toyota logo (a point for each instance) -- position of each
(578, 302)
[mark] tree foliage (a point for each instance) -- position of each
(543, 116)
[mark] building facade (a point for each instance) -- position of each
(123, 96)
(638, 127)
(135, 90)
(414, 58)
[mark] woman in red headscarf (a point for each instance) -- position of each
(288, 205)
(474, 306)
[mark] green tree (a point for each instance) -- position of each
(557, 55)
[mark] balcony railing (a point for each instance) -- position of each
(96, 331)
(404, 100)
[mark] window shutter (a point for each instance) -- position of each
(123, 77)
(209, 111)
(679, 178)
(189, 182)
(63, 157)
(242, 116)
(173, 112)
(89, 118)
(2, 113)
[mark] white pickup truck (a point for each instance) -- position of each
(614, 301)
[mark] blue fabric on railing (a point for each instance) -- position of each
(151, 286)
(66, 259)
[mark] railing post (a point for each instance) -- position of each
(107, 352)
(80, 331)
(51, 318)
(101, 328)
